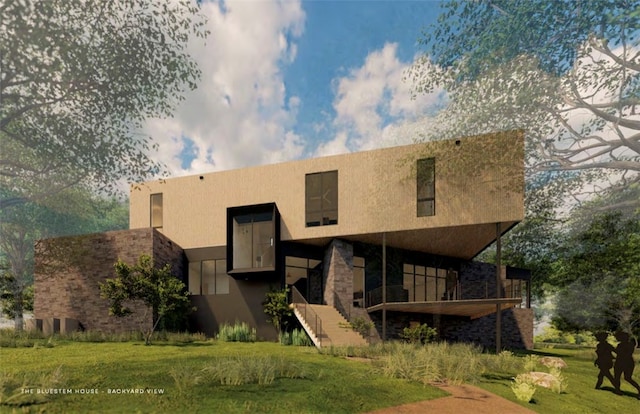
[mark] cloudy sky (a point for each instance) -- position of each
(292, 79)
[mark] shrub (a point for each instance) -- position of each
(531, 363)
(505, 362)
(297, 337)
(420, 334)
(240, 370)
(240, 332)
(362, 326)
(436, 362)
(523, 387)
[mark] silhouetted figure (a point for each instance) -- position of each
(624, 361)
(604, 359)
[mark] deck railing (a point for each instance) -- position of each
(311, 318)
(397, 293)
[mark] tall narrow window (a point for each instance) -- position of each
(358, 282)
(426, 187)
(156, 210)
(321, 198)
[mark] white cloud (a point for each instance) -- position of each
(238, 116)
(374, 107)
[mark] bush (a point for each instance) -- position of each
(240, 332)
(362, 326)
(297, 337)
(242, 370)
(437, 362)
(420, 334)
(523, 387)
(555, 336)
(505, 362)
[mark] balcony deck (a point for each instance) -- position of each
(399, 300)
(472, 308)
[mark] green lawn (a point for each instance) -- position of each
(580, 396)
(187, 378)
(318, 383)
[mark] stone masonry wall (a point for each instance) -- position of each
(69, 271)
(517, 329)
(338, 276)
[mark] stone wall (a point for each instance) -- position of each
(517, 329)
(338, 276)
(69, 270)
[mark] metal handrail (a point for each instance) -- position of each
(398, 294)
(310, 317)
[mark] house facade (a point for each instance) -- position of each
(386, 236)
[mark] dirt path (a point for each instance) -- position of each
(463, 399)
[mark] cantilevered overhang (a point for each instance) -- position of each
(462, 242)
(472, 308)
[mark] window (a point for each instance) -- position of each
(321, 198)
(429, 283)
(251, 238)
(306, 276)
(426, 187)
(156, 211)
(208, 277)
(358, 282)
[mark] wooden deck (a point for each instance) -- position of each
(472, 308)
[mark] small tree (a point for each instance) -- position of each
(156, 287)
(276, 306)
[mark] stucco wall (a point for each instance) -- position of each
(478, 180)
(69, 271)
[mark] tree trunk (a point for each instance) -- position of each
(18, 317)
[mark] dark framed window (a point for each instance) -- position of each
(156, 210)
(321, 198)
(426, 187)
(428, 284)
(252, 236)
(208, 277)
(358, 282)
(306, 276)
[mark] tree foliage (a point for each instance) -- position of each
(276, 306)
(157, 288)
(597, 275)
(77, 80)
(566, 72)
(72, 211)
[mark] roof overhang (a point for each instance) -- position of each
(472, 308)
(463, 242)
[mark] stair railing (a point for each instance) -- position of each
(311, 318)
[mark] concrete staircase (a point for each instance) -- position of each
(335, 330)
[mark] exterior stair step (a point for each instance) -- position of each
(336, 330)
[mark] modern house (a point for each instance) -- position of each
(388, 236)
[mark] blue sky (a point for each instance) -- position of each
(284, 80)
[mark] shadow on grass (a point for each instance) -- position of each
(493, 377)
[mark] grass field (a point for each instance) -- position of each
(220, 377)
(580, 396)
(309, 382)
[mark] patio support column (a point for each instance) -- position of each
(498, 286)
(384, 287)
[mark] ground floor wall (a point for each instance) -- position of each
(517, 327)
(243, 303)
(69, 270)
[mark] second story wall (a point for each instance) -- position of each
(477, 180)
